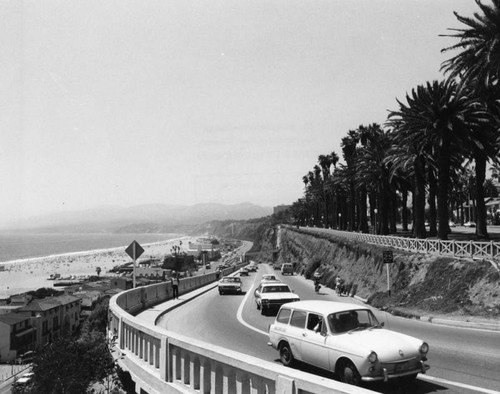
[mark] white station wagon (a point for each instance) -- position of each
(346, 339)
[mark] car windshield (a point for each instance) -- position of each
(346, 321)
(232, 280)
(276, 289)
(268, 277)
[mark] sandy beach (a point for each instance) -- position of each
(31, 274)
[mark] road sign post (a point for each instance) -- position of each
(134, 250)
(388, 260)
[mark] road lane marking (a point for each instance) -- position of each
(457, 384)
(239, 314)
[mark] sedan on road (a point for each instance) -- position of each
(271, 295)
(230, 284)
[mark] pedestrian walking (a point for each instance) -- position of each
(175, 285)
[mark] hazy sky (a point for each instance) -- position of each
(131, 102)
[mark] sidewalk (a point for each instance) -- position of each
(152, 315)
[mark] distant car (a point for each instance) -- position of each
(345, 339)
(269, 278)
(469, 224)
(452, 224)
(230, 284)
(252, 267)
(271, 295)
(26, 358)
(287, 269)
(276, 266)
(24, 381)
(244, 271)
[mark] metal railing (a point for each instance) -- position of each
(464, 249)
(161, 361)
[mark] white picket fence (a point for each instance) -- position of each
(464, 249)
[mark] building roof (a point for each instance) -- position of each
(14, 318)
(48, 303)
(60, 300)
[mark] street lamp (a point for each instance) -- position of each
(375, 212)
(340, 219)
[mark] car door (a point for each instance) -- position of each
(296, 328)
(314, 350)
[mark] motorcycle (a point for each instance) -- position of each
(340, 288)
(317, 286)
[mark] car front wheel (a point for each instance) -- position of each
(349, 374)
(286, 355)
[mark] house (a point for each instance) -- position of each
(17, 335)
(53, 316)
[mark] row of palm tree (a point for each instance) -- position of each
(433, 149)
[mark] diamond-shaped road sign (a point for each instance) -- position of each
(134, 250)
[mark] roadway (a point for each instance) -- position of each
(463, 360)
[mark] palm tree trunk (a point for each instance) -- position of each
(442, 192)
(404, 210)
(481, 225)
(419, 214)
(432, 204)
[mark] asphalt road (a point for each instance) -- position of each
(462, 360)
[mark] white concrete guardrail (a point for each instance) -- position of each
(161, 361)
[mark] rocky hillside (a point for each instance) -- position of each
(420, 284)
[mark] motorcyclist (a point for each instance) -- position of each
(338, 285)
(317, 278)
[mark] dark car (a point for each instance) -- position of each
(230, 284)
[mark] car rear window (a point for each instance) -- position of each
(298, 319)
(283, 315)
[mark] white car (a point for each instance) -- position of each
(230, 284)
(345, 339)
(271, 295)
(269, 278)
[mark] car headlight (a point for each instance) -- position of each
(372, 358)
(424, 348)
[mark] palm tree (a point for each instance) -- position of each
(373, 176)
(438, 118)
(478, 65)
(98, 271)
(349, 152)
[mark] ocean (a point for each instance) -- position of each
(16, 246)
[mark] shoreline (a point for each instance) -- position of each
(24, 275)
(89, 252)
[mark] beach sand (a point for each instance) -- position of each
(30, 274)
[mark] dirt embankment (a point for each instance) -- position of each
(420, 284)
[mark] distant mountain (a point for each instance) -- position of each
(143, 218)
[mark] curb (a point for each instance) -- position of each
(439, 321)
(193, 294)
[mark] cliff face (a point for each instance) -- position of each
(419, 283)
